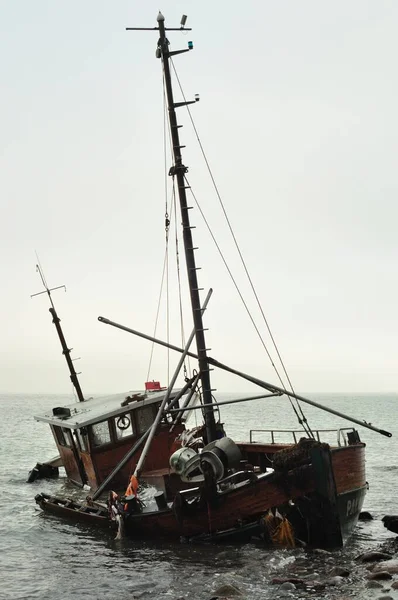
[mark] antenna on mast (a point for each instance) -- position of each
(47, 290)
(57, 322)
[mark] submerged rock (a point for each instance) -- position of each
(339, 571)
(391, 566)
(380, 575)
(287, 586)
(374, 584)
(311, 586)
(226, 591)
(374, 556)
(282, 580)
(390, 545)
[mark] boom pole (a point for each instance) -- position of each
(263, 384)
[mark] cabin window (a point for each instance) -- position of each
(144, 418)
(101, 434)
(59, 434)
(123, 426)
(81, 435)
(68, 437)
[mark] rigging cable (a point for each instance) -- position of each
(167, 227)
(165, 271)
(302, 419)
(157, 314)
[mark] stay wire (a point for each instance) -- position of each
(167, 226)
(166, 260)
(157, 314)
(302, 422)
(303, 418)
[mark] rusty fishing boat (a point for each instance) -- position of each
(301, 491)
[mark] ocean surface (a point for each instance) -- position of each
(45, 558)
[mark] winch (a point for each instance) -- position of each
(221, 456)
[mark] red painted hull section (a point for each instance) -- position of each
(251, 501)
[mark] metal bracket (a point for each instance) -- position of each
(176, 168)
(174, 52)
(178, 104)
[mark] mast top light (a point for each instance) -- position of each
(160, 17)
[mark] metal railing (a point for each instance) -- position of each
(296, 434)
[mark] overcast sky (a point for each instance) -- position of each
(298, 116)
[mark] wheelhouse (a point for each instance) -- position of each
(93, 436)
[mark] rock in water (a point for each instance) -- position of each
(380, 575)
(372, 584)
(365, 516)
(226, 591)
(281, 580)
(287, 586)
(391, 522)
(374, 556)
(339, 571)
(391, 566)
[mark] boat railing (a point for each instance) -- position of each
(296, 434)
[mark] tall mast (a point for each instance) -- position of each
(178, 171)
(57, 322)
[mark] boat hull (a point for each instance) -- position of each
(349, 506)
(250, 503)
(298, 494)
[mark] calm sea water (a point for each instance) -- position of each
(42, 557)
